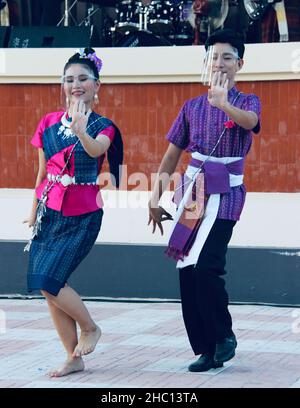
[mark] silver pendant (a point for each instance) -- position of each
(64, 129)
(65, 132)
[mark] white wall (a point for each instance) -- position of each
(268, 219)
(273, 61)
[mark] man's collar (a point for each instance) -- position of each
(233, 91)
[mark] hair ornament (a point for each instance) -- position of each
(92, 57)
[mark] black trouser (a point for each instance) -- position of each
(203, 295)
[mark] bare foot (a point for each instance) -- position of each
(87, 342)
(70, 366)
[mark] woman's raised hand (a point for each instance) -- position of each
(79, 118)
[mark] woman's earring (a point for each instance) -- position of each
(67, 102)
(96, 99)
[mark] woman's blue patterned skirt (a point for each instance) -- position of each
(61, 244)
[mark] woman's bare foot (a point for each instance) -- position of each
(87, 342)
(70, 366)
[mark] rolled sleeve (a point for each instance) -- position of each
(179, 132)
(37, 139)
(252, 104)
(109, 132)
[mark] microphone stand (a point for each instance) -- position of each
(67, 13)
(4, 14)
(87, 20)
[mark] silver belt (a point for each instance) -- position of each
(65, 180)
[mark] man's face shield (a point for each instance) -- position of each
(217, 60)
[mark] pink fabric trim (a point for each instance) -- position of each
(48, 120)
(109, 132)
(74, 199)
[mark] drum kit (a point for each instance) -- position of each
(152, 23)
(140, 23)
(173, 22)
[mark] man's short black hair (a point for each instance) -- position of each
(226, 35)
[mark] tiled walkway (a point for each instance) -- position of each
(145, 345)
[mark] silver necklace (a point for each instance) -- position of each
(64, 130)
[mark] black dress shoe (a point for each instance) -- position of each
(204, 363)
(225, 350)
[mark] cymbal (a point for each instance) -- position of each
(218, 10)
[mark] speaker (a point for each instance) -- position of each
(50, 37)
(4, 36)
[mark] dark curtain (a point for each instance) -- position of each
(19, 12)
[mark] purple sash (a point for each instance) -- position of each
(213, 179)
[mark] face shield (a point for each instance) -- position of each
(214, 59)
(206, 74)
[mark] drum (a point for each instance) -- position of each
(127, 17)
(183, 27)
(142, 39)
(161, 17)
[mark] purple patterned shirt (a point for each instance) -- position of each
(197, 129)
